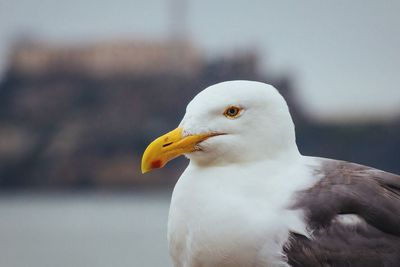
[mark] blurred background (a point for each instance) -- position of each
(86, 85)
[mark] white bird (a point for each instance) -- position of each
(248, 198)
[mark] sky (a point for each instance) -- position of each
(344, 55)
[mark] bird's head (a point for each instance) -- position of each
(230, 122)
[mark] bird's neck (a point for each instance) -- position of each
(271, 157)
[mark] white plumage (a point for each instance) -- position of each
(229, 207)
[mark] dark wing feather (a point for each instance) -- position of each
(348, 188)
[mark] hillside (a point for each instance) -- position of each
(73, 117)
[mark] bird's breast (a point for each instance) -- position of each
(214, 224)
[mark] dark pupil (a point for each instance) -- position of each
(232, 111)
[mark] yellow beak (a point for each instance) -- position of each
(170, 146)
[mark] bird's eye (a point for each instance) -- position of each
(232, 112)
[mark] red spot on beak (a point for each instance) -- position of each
(156, 164)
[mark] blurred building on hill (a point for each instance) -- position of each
(81, 115)
(106, 59)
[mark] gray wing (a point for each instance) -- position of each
(345, 188)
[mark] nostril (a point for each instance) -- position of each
(167, 144)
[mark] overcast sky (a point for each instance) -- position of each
(344, 54)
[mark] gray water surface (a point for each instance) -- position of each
(84, 230)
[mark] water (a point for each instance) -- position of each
(84, 230)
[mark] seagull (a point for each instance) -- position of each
(248, 197)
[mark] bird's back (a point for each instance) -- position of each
(353, 213)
